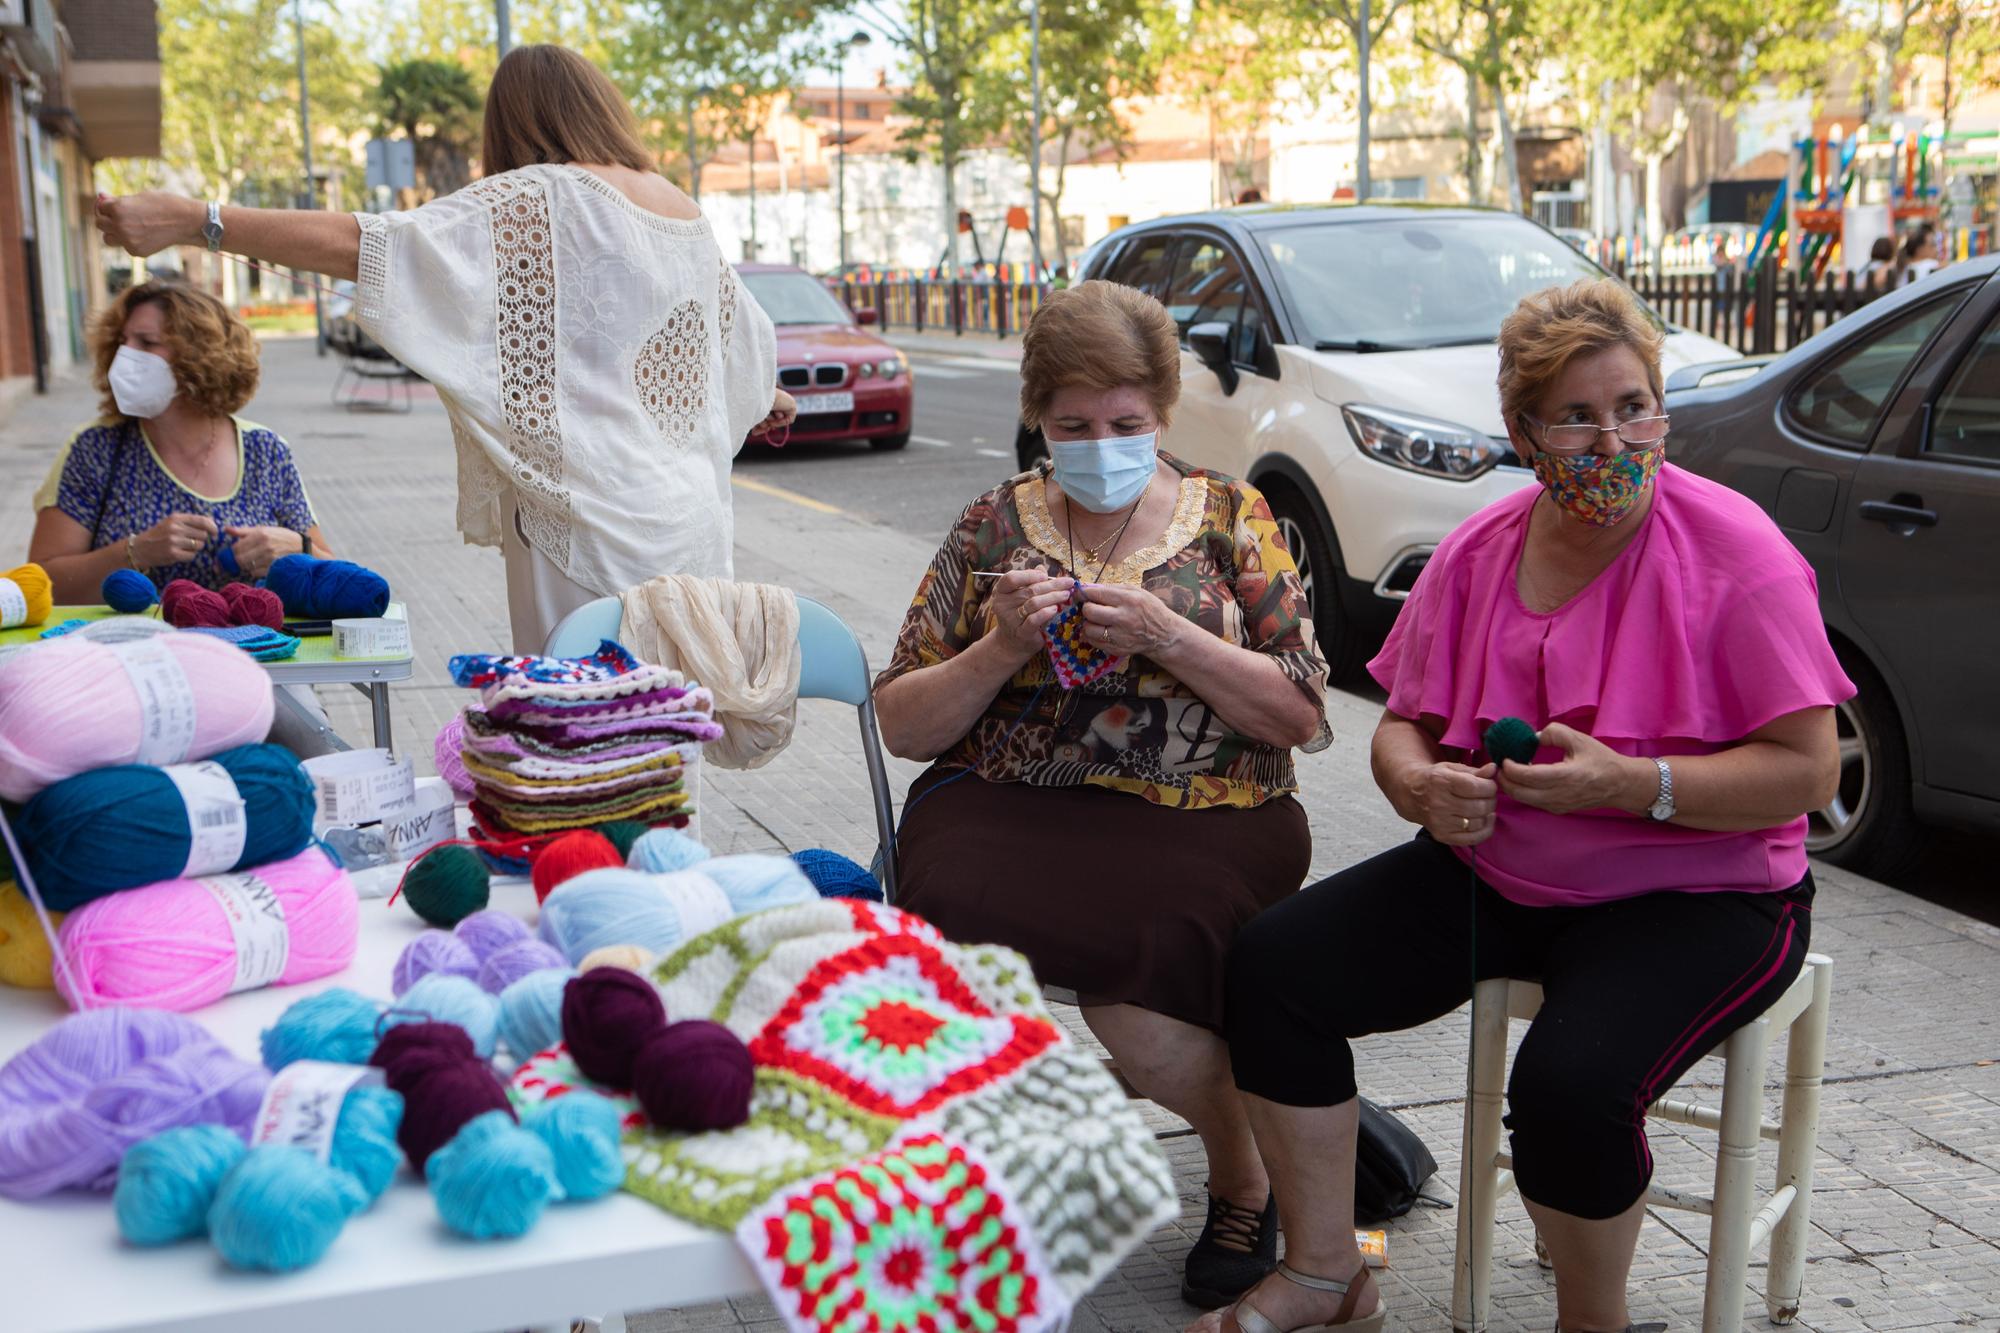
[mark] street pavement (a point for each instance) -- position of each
(1906, 1201)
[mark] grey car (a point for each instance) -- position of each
(1876, 448)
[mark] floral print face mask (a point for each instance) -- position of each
(1598, 490)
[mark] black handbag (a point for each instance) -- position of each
(1391, 1165)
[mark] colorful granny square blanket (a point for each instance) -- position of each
(927, 1150)
(478, 670)
(1076, 660)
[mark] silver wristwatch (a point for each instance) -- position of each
(211, 230)
(1663, 808)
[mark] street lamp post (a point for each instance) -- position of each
(1035, 135)
(306, 148)
(859, 39)
(500, 21)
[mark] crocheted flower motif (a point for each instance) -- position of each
(1076, 660)
(553, 1073)
(917, 1239)
(670, 374)
(891, 1027)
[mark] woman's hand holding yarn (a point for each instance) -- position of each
(257, 547)
(1590, 776)
(174, 540)
(1023, 601)
(1131, 622)
(1456, 802)
(784, 411)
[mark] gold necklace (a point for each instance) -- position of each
(1090, 552)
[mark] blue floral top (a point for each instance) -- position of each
(109, 479)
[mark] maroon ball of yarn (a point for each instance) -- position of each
(607, 1014)
(414, 1047)
(694, 1077)
(442, 1082)
(253, 606)
(185, 604)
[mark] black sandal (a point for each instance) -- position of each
(1237, 1250)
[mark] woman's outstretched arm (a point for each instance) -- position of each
(318, 242)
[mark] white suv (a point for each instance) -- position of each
(1342, 360)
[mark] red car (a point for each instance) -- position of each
(850, 384)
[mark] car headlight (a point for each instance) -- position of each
(866, 369)
(1421, 444)
(890, 367)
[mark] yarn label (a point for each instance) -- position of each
(371, 638)
(215, 812)
(434, 819)
(302, 1104)
(256, 923)
(13, 604)
(166, 701)
(362, 786)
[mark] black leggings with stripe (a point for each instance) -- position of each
(1635, 991)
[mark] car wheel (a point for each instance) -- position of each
(888, 443)
(1869, 826)
(1029, 448)
(1339, 642)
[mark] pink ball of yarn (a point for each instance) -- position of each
(450, 764)
(169, 946)
(185, 604)
(433, 951)
(67, 706)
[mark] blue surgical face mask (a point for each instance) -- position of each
(1105, 475)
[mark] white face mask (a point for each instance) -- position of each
(142, 384)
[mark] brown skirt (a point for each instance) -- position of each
(1108, 895)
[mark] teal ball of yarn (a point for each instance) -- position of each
(281, 1209)
(335, 1025)
(167, 1182)
(662, 851)
(444, 998)
(754, 882)
(128, 592)
(834, 876)
(583, 1131)
(493, 1179)
(364, 1138)
(1511, 738)
(531, 1012)
(313, 589)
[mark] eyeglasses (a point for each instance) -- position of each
(1640, 432)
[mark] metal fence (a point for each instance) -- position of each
(958, 306)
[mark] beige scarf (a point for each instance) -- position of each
(741, 640)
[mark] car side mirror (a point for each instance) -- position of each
(866, 317)
(1210, 345)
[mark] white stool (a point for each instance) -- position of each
(1736, 1224)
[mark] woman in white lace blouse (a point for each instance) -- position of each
(599, 359)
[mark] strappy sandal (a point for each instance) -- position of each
(1248, 1319)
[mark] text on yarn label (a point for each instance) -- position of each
(257, 923)
(302, 1104)
(217, 823)
(13, 604)
(166, 701)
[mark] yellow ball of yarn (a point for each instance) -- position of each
(24, 950)
(628, 956)
(26, 596)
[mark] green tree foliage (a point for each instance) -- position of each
(1232, 61)
(1494, 44)
(437, 107)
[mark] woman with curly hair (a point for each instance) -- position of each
(170, 478)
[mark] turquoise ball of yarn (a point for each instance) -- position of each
(754, 882)
(335, 1025)
(583, 1131)
(834, 876)
(444, 998)
(531, 1012)
(128, 591)
(166, 1183)
(493, 1179)
(662, 851)
(281, 1209)
(314, 589)
(364, 1138)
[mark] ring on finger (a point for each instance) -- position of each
(1464, 824)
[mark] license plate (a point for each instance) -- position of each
(825, 402)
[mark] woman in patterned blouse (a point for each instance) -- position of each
(1119, 832)
(170, 477)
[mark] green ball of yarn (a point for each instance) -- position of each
(447, 885)
(623, 833)
(1511, 738)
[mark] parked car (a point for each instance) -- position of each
(1876, 448)
(851, 385)
(1342, 360)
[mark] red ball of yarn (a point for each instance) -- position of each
(569, 856)
(185, 604)
(607, 1014)
(442, 1083)
(253, 606)
(694, 1077)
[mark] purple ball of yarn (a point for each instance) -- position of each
(432, 951)
(517, 960)
(694, 1077)
(607, 1015)
(442, 1083)
(76, 1098)
(488, 931)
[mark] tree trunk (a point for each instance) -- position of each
(1473, 149)
(1363, 186)
(1054, 198)
(1510, 159)
(948, 161)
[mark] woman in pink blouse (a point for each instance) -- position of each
(1649, 868)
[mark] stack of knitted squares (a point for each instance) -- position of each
(566, 743)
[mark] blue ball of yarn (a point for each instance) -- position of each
(583, 1131)
(531, 1012)
(611, 906)
(662, 851)
(313, 589)
(128, 591)
(127, 825)
(281, 1208)
(336, 1025)
(837, 877)
(166, 1183)
(364, 1138)
(444, 998)
(493, 1179)
(754, 882)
